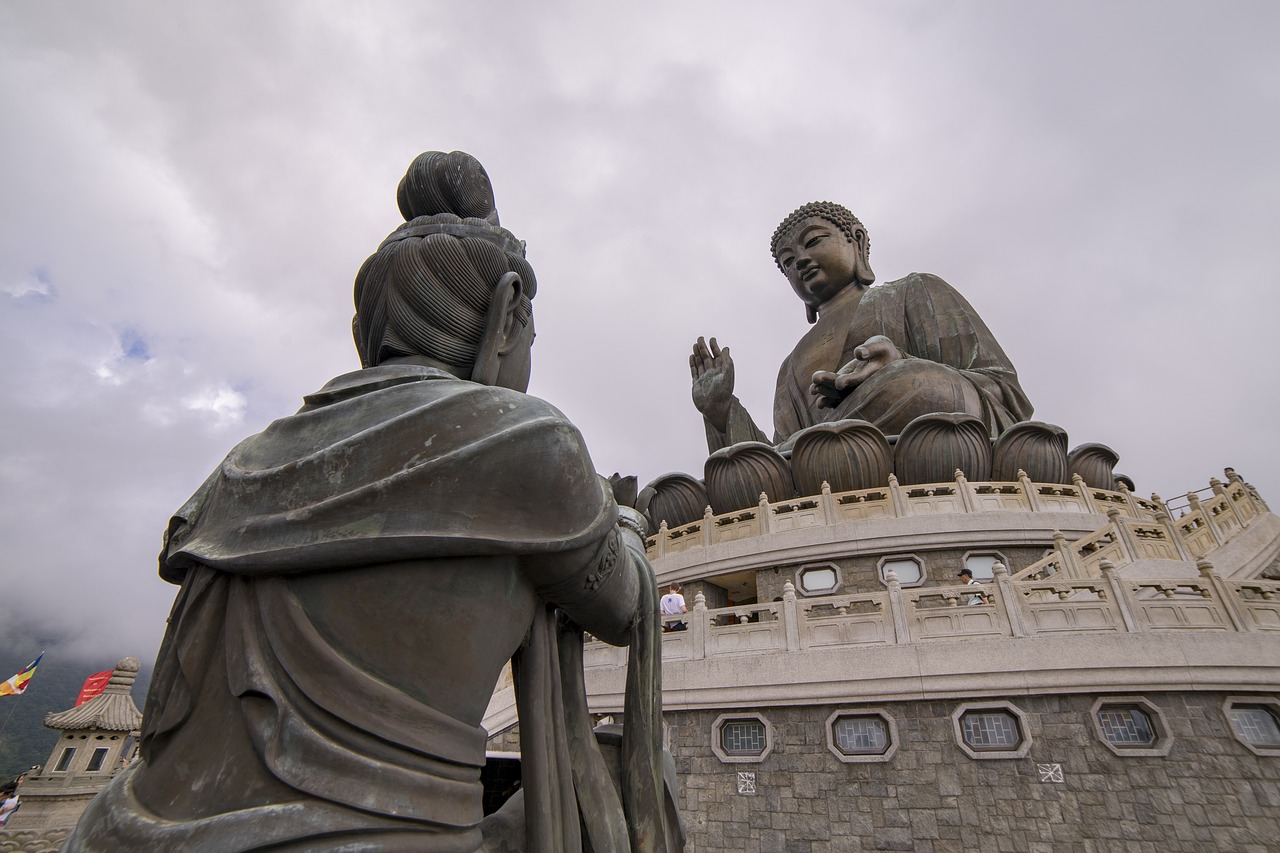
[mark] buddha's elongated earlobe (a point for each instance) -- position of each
(499, 329)
(862, 267)
(811, 314)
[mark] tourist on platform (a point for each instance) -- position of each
(978, 597)
(672, 604)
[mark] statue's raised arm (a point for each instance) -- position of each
(885, 355)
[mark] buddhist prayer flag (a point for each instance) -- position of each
(93, 686)
(18, 684)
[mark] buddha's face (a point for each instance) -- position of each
(818, 260)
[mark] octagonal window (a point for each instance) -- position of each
(817, 580)
(861, 735)
(1126, 727)
(908, 569)
(1256, 725)
(742, 737)
(991, 731)
(981, 565)
(1131, 726)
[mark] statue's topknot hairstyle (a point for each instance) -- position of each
(427, 288)
(837, 214)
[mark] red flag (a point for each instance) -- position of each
(93, 685)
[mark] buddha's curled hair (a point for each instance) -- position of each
(427, 289)
(837, 214)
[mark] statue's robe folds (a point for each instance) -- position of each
(395, 519)
(953, 364)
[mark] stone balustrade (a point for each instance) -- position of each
(1136, 529)
(896, 501)
(1061, 606)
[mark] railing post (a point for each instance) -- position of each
(1123, 534)
(1067, 555)
(1220, 491)
(1196, 506)
(660, 546)
(900, 508)
(828, 504)
(1223, 593)
(698, 628)
(765, 516)
(968, 499)
(1085, 496)
(1010, 599)
(707, 523)
(1029, 490)
(897, 609)
(1175, 532)
(1121, 595)
(791, 617)
(1135, 511)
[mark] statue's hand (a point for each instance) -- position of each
(868, 359)
(712, 370)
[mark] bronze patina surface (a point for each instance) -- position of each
(354, 578)
(885, 355)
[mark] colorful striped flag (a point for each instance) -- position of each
(17, 685)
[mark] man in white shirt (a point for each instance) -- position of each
(672, 604)
(977, 598)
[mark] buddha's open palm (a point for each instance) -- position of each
(712, 370)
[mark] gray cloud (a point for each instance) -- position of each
(189, 191)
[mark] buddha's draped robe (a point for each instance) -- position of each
(953, 364)
(388, 470)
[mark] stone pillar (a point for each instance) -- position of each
(900, 508)
(1175, 533)
(1196, 506)
(698, 628)
(828, 504)
(660, 544)
(708, 523)
(1220, 491)
(791, 617)
(1225, 594)
(968, 498)
(1121, 595)
(765, 516)
(1123, 534)
(1010, 600)
(897, 610)
(1083, 488)
(1134, 510)
(1029, 491)
(1067, 555)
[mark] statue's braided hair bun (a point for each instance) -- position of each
(455, 183)
(427, 289)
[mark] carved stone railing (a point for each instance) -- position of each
(1207, 526)
(1060, 606)
(896, 501)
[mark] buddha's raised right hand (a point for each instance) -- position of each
(712, 370)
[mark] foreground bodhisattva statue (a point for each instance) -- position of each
(354, 578)
(885, 355)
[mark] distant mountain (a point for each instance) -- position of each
(24, 740)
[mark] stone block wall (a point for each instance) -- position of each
(1209, 793)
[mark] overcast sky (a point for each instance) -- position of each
(187, 191)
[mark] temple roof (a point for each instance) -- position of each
(112, 710)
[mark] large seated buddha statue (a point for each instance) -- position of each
(884, 354)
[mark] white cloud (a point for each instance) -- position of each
(189, 191)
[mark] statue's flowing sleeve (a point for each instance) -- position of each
(929, 319)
